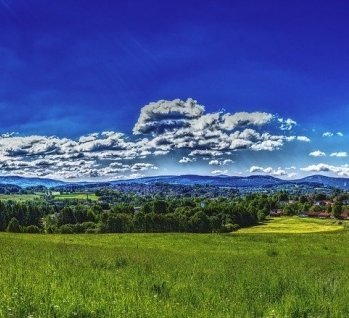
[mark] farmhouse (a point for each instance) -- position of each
(344, 215)
(324, 215)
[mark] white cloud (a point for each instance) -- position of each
(167, 114)
(219, 171)
(183, 124)
(287, 124)
(268, 170)
(303, 138)
(317, 153)
(163, 127)
(232, 121)
(254, 169)
(141, 166)
(279, 172)
(65, 158)
(187, 160)
(199, 152)
(136, 175)
(331, 134)
(327, 134)
(216, 162)
(269, 145)
(340, 154)
(205, 121)
(160, 152)
(342, 170)
(292, 174)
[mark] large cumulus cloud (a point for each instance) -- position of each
(185, 125)
(162, 129)
(158, 116)
(94, 155)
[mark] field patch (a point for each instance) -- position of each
(76, 196)
(19, 197)
(293, 225)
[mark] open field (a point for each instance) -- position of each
(175, 275)
(19, 197)
(293, 225)
(76, 196)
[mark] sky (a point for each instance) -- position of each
(122, 89)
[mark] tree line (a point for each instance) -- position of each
(153, 215)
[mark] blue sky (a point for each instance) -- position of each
(69, 69)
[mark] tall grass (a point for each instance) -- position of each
(174, 275)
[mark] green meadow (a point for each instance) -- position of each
(244, 274)
(19, 197)
(76, 196)
(294, 225)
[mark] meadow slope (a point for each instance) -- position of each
(175, 275)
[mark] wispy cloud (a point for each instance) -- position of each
(342, 170)
(340, 154)
(187, 160)
(317, 153)
(331, 134)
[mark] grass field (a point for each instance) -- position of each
(176, 275)
(293, 225)
(77, 196)
(19, 197)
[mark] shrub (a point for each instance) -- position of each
(88, 226)
(92, 231)
(51, 229)
(260, 216)
(78, 228)
(117, 223)
(14, 226)
(66, 229)
(32, 229)
(229, 227)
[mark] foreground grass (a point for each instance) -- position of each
(175, 275)
(293, 225)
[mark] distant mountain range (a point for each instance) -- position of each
(25, 182)
(241, 182)
(221, 181)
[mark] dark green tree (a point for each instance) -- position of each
(160, 207)
(337, 209)
(200, 223)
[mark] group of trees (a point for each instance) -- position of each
(156, 215)
(22, 216)
(131, 213)
(189, 215)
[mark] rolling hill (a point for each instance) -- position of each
(220, 181)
